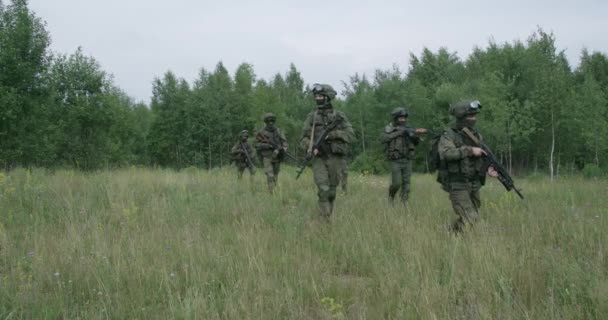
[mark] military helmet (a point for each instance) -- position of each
(269, 116)
(399, 112)
(324, 89)
(464, 108)
(244, 133)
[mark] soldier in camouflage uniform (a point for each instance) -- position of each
(242, 155)
(271, 145)
(400, 141)
(327, 161)
(461, 162)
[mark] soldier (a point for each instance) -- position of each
(242, 155)
(327, 156)
(271, 146)
(400, 141)
(461, 164)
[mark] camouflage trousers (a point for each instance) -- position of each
(271, 169)
(344, 175)
(326, 172)
(401, 172)
(466, 203)
(241, 168)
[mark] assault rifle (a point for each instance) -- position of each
(491, 161)
(275, 146)
(317, 145)
(247, 156)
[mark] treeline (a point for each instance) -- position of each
(60, 110)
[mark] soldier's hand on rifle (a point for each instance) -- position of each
(492, 172)
(420, 131)
(478, 152)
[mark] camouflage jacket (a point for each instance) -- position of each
(338, 140)
(267, 141)
(398, 144)
(238, 156)
(458, 162)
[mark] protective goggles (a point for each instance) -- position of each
(317, 88)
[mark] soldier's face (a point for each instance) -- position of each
(319, 99)
(402, 120)
(470, 119)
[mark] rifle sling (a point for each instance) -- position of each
(312, 132)
(471, 136)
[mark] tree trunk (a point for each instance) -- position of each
(597, 157)
(362, 132)
(209, 149)
(221, 158)
(552, 146)
(509, 154)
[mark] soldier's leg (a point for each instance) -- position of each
(334, 165)
(344, 175)
(395, 180)
(476, 200)
(251, 170)
(251, 174)
(465, 209)
(240, 170)
(406, 173)
(276, 167)
(321, 177)
(269, 171)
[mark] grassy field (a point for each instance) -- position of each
(159, 244)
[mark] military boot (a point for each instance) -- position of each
(391, 196)
(344, 187)
(458, 226)
(271, 185)
(325, 209)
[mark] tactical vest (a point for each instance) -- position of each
(464, 170)
(335, 146)
(272, 136)
(400, 147)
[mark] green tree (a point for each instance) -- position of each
(24, 105)
(167, 136)
(89, 114)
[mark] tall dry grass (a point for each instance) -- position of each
(160, 244)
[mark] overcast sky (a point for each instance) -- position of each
(328, 41)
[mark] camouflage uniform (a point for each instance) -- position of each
(240, 158)
(460, 172)
(344, 173)
(271, 144)
(400, 142)
(328, 164)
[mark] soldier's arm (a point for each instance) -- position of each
(389, 134)
(260, 143)
(236, 149)
(343, 132)
(305, 135)
(449, 152)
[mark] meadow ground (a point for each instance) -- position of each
(195, 244)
